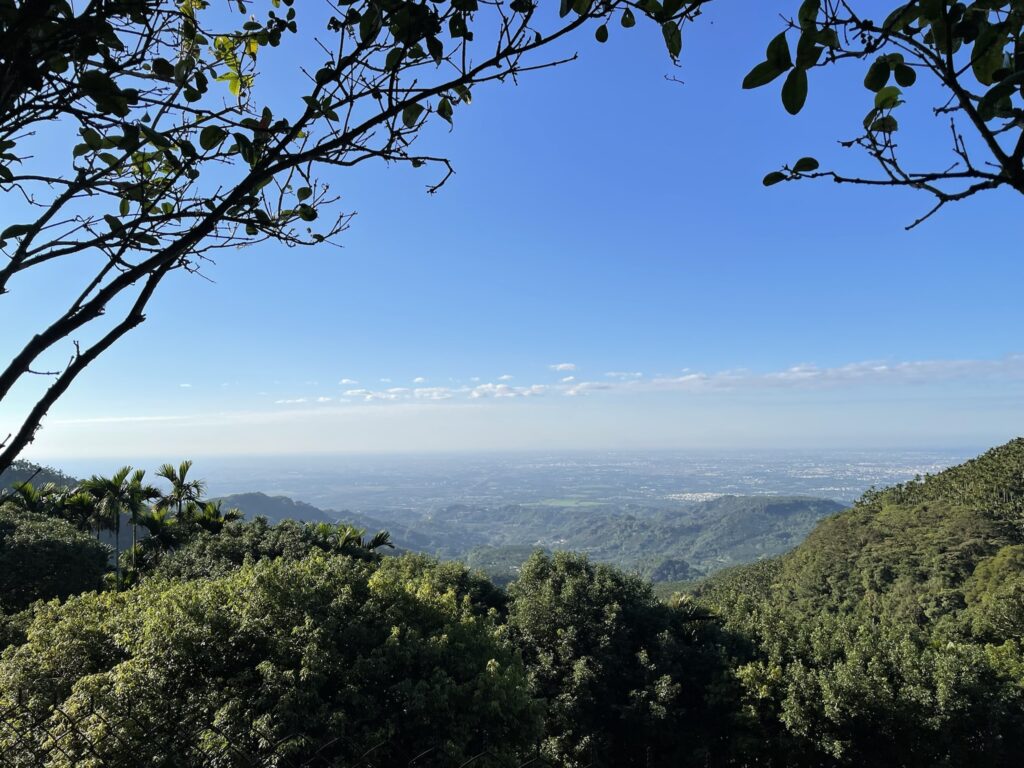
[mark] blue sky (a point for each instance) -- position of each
(611, 221)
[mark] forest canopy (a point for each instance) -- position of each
(891, 636)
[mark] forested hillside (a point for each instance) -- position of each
(666, 543)
(893, 634)
(25, 471)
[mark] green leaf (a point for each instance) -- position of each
(808, 14)
(125, 206)
(602, 33)
(671, 7)
(303, 193)
(901, 17)
(96, 83)
(411, 114)
(828, 37)
(988, 106)
(628, 19)
(885, 124)
(794, 91)
(212, 136)
(762, 74)
(306, 212)
(932, 10)
(905, 76)
(987, 55)
(245, 148)
(159, 140)
(808, 52)
(805, 165)
(778, 52)
(369, 26)
(394, 58)
(163, 69)
(773, 178)
(877, 76)
(673, 38)
(436, 49)
(92, 138)
(444, 109)
(324, 76)
(887, 97)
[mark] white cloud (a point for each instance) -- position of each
(492, 390)
(505, 391)
(624, 375)
(433, 393)
(802, 375)
(385, 381)
(347, 382)
(563, 367)
(584, 387)
(867, 372)
(418, 380)
(185, 386)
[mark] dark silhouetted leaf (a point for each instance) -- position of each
(794, 91)
(411, 114)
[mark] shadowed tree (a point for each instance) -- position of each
(121, 494)
(27, 498)
(211, 517)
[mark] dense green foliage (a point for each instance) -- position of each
(42, 558)
(305, 650)
(217, 554)
(893, 634)
(628, 680)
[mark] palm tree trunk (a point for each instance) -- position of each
(117, 548)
